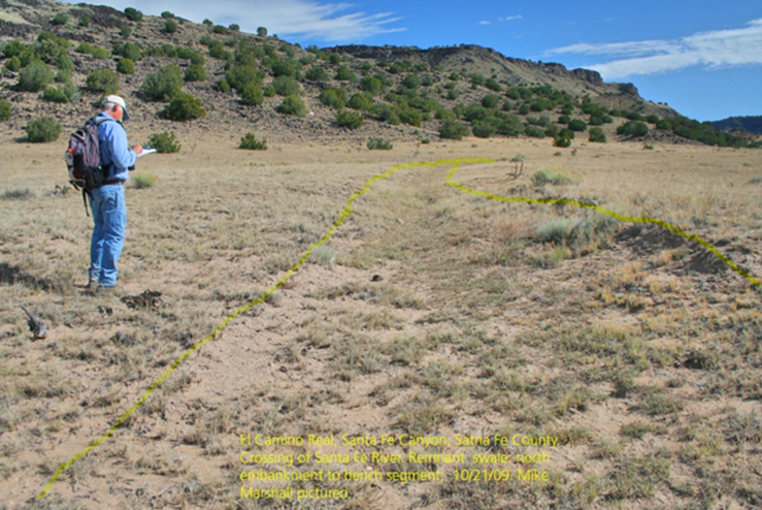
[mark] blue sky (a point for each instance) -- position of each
(703, 58)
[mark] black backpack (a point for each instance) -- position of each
(83, 158)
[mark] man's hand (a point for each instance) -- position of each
(138, 149)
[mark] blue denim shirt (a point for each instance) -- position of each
(116, 155)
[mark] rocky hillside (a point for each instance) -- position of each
(58, 60)
(750, 124)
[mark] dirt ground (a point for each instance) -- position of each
(620, 362)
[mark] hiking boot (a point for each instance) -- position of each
(110, 290)
(91, 288)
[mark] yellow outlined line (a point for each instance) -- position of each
(343, 215)
(346, 211)
(586, 205)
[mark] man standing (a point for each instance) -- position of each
(107, 201)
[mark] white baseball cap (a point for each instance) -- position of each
(118, 100)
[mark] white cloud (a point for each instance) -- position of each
(511, 18)
(484, 23)
(720, 48)
(332, 22)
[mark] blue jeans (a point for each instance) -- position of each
(110, 217)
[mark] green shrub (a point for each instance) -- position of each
(285, 86)
(600, 119)
(550, 176)
(103, 80)
(6, 109)
(552, 130)
(492, 84)
(165, 50)
(379, 144)
(577, 125)
(13, 48)
(60, 19)
(477, 79)
(483, 129)
(334, 97)
(167, 15)
(13, 64)
(269, 91)
(133, 14)
(83, 22)
(64, 63)
(542, 120)
(163, 84)
(60, 94)
(126, 31)
(386, 113)
(234, 27)
(170, 27)
(184, 107)
(250, 142)
(283, 68)
(561, 141)
(197, 59)
(534, 132)
(360, 102)
(411, 81)
(164, 143)
(85, 47)
(372, 85)
(597, 135)
(125, 66)
(510, 125)
(241, 75)
(347, 119)
(101, 53)
(397, 67)
(292, 105)
(219, 29)
(223, 86)
(261, 31)
(539, 105)
(35, 77)
(317, 74)
(43, 129)
(217, 50)
(557, 231)
(334, 58)
(252, 94)
(144, 180)
(195, 73)
(633, 129)
(345, 74)
(453, 130)
(129, 50)
(490, 101)
(410, 116)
